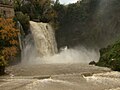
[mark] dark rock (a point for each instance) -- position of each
(92, 63)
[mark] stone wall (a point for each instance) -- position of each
(6, 11)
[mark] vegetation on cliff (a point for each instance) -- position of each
(89, 22)
(74, 21)
(37, 10)
(110, 56)
(24, 21)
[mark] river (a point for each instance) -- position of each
(60, 77)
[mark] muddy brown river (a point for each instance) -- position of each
(60, 77)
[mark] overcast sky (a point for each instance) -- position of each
(67, 1)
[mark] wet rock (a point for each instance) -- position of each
(92, 63)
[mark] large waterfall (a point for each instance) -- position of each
(43, 35)
(41, 48)
(40, 43)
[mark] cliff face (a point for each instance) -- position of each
(104, 25)
(6, 11)
(94, 23)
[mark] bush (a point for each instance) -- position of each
(110, 57)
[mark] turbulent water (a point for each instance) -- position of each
(60, 77)
(40, 43)
(44, 38)
(41, 48)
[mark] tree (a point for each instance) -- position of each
(8, 40)
(24, 21)
(39, 10)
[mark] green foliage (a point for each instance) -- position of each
(60, 11)
(38, 10)
(88, 23)
(73, 20)
(110, 56)
(18, 4)
(24, 20)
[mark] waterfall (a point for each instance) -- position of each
(41, 48)
(43, 35)
(21, 35)
(40, 43)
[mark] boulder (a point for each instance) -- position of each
(92, 63)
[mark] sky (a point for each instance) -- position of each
(67, 1)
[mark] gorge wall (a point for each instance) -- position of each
(90, 23)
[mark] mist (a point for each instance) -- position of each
(41, 48)
(75, 55)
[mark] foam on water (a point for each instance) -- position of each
(46, 82)
(111, 79)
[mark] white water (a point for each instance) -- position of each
(41, 48)
(40, 43)
(111, 79)
(19, 26)
(44, 38)
(76, 55)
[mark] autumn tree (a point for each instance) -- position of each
(8, 40)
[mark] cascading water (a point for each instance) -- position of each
(44, 38)
(40, 43)
(41, 48)
(21, 35)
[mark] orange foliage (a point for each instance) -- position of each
(8, 35)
